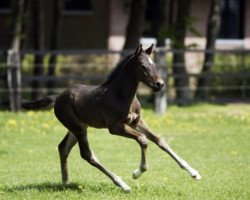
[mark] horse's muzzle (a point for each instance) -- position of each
(158, 85)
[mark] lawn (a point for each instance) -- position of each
(214, 139)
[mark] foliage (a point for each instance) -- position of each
(228, 75)
(231, 86)
(86, 69)
(171, 33)
(213, 139)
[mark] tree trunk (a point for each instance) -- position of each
(55, 35)
(159, 28)
(161, 22)
(135, 23)
(213, 25)
(18, 22)
(26, 25)
(181, 80)
(12, 76)
(38, 36)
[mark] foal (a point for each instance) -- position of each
(112, 105)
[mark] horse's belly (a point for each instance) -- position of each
(90, 114)
(93, 119)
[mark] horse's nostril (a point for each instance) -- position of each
(159, 85)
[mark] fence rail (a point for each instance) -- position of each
(230, 74)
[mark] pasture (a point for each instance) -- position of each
(214, 139)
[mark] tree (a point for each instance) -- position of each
(38, 44)
(161, 21)
(213, 24)
(181, 80)
(55, 35)
(159, 27)
(12, 76)
(135, 23)
(19, 11)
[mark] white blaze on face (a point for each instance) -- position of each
(150, 60)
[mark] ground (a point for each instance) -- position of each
(214, 139)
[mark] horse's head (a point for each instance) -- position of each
(145, 69)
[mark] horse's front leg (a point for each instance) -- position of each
(142, 127)
(127, 131)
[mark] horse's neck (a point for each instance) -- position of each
(128, 87)
(124, 86)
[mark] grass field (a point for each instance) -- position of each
(215, 139)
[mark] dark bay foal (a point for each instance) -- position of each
(112, 105)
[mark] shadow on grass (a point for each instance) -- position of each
(44, 187)
(57, 187)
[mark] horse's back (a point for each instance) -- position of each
(74, 95)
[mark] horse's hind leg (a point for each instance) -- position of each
(89, 156)
(142, 126)
(64, 149)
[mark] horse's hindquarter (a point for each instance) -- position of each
(82, 102)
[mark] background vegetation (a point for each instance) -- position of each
(213, 138)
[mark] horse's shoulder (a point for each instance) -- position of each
(135, 106)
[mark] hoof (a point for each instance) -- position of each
(118, 181)
(196, 176)
(126, 188)
(137, 173)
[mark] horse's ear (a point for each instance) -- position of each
(150, 49)
(138, 50)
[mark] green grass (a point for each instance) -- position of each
(213, 139)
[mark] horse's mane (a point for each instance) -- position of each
(116, 71)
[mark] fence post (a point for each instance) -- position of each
(160, 98)
(14, 79)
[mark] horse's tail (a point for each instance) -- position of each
(47, 102)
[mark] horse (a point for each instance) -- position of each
(112, 105)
